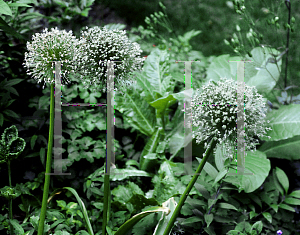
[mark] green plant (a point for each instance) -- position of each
(46, 48)
(11, 146)
(215, 119)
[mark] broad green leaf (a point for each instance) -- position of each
(135, 219)
(295, 193)
(277, 184)
(261, 74)
(257, 226)
(285, 122)
(17, 226)
(9, 30)
(11, 113)
(283, 179)
(4, 8)
(136, 112)
(81, 205)
(268, 216)
(263, 79)
(208, 219)
(209, 169)
(154, 70)
(226, 206)
(13, 82)
(256, 163)
(18, 5)
(121, 174)
(283, 149)
(292, 201)
(32, 141)
(274, 207)
(162, 104)
(202, 190)
(286, 207)
(220, 175)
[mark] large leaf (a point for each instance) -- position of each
(137, 112)
(285, 122)
(256, 163)
(283, 149)
(258, 73)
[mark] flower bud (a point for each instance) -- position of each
(238, 28)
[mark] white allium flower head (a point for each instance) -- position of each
(214, 114)
(100, 45)
(46, 47)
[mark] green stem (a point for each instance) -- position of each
(48, 164)
(105, 202)
(189, 187)
(10, 200)
(109, 140)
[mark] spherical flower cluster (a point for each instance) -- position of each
(100, 45)
(214, 114)
(47, 47)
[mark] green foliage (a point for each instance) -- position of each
(222, 204)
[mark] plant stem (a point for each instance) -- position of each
(212, 145)
(109, 128)
(105, 202)
(288, 5)
(10, 200)
(48, 164)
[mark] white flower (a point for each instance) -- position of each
(221, 120)
(46, 47)
(99, 46)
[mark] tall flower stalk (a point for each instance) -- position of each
(45, 48)
(101, 48)
(214, 117)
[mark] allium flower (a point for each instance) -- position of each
(214, 113)
(46, 47)
(98, 46)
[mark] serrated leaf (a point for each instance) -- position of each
(283, 179)
(268, 216)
